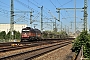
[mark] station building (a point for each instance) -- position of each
(6, 27)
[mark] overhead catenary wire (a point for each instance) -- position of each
(36, 5)
(66, 10)
(23, 4)
(33, 3)
(66, 3)
(7, 6)
(27, 6)
(4, 12)
(62, 6)
(37, 2)
(53, 4)
(44, 10)
(4, 3)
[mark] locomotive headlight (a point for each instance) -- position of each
(22, 36)
(27, 36)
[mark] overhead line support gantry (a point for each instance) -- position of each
(65, 9)
(85, 14)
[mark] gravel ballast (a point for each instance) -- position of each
(58, 54)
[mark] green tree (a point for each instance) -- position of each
(87, 48)
(63, 34)
(17, 35)
(2, 35)
(53, 34)
(82, 39)
(8, 35)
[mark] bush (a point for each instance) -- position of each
(82, 39)
(2, 35)
(7, 36)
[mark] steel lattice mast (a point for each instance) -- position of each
(85, 15)
(12, 20)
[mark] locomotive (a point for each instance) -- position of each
(30, 34)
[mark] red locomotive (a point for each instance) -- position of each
(30, 34)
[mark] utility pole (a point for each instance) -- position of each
(65, 28)
(58, 14)
(71, 24)
(85, 15)
(55, 29)
(31, 17)
(61, 26)
(41, 18)
(59, 17)
(75, 16)
(12, 20)
(71, 27)
(68, 30)
(89, 28)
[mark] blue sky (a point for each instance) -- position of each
(66, 16)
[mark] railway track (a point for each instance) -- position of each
(24, 45)
(30, 54)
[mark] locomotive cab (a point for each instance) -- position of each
(30, 34)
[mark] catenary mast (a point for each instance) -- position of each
(12, 20)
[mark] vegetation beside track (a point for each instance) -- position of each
(82, 39)
(7, 36)
(45, 35)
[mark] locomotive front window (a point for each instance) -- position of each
(25, 30)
